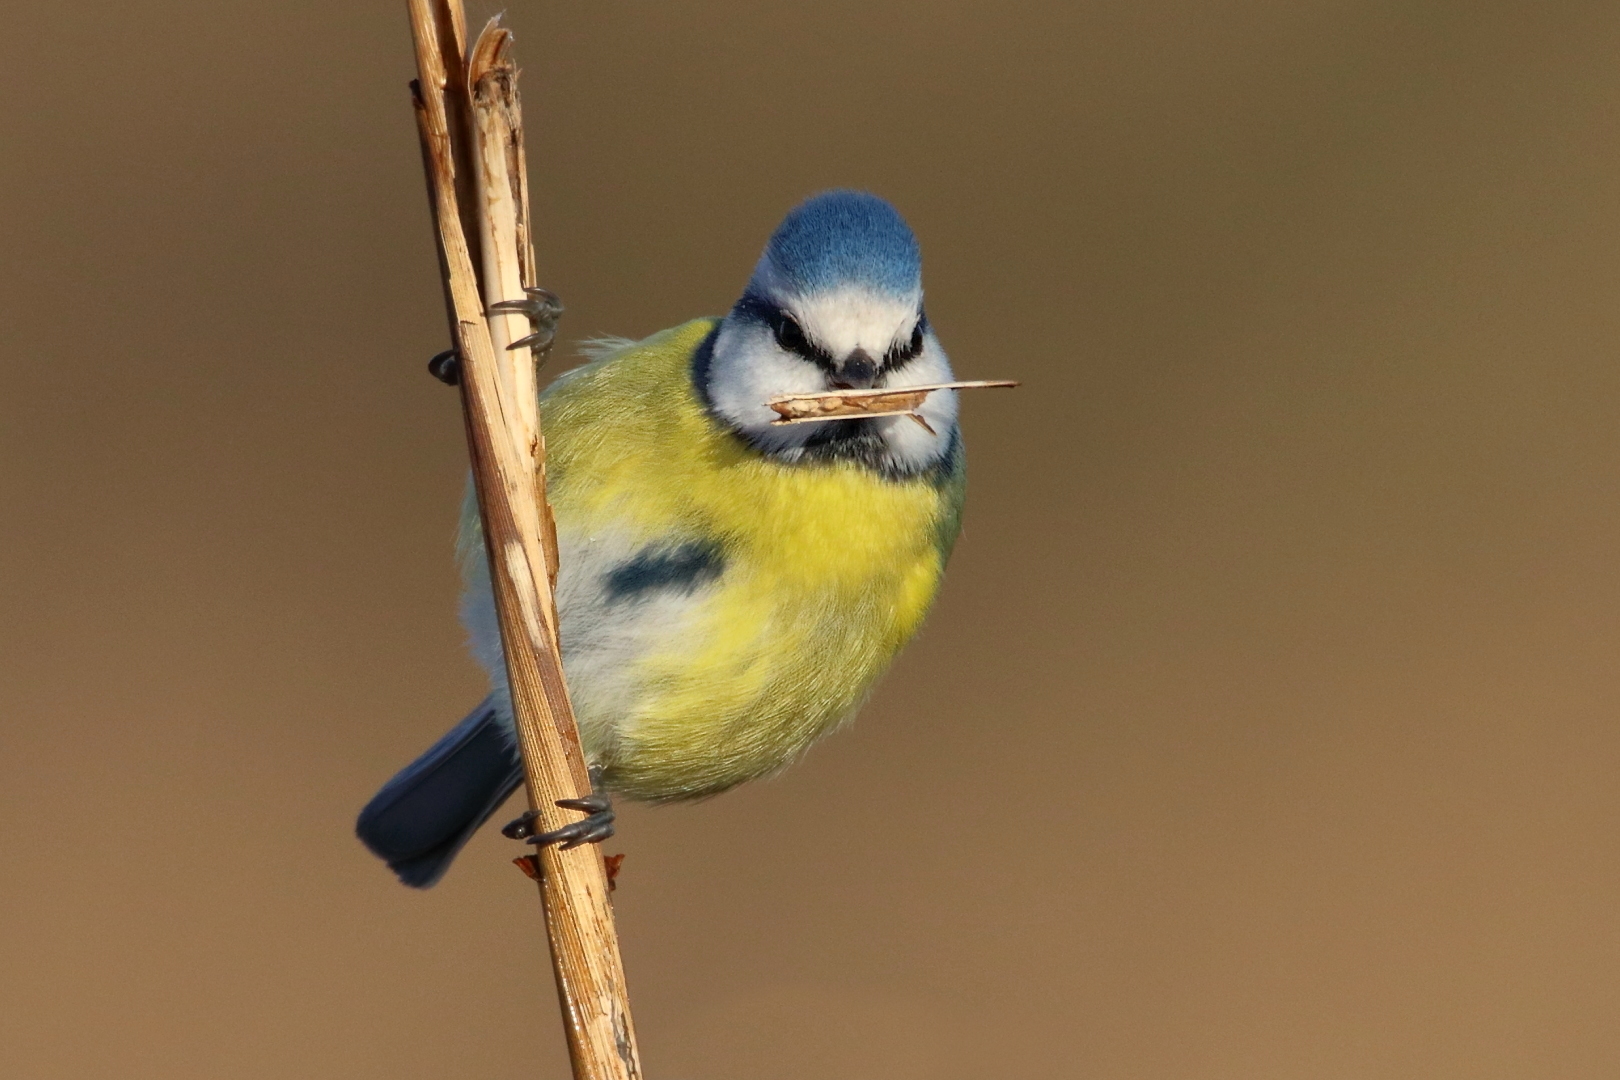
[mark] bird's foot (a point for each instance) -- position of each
(592, 829)
(543, 309)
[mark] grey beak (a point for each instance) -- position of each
(857, 371)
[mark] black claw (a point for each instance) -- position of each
(520, 828)
(540, 339)
(595, 834)
(591, 830)
(591, 804)
(537, 304)
(542, 307)
(446, 367)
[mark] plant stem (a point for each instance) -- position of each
(472, 144)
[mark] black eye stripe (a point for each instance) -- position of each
(902, 354)
(790, 336)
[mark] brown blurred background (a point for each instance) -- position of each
(1266, 727)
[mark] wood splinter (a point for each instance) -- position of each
(841, 404)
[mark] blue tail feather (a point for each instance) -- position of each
(425, 814)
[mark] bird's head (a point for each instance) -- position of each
(835, 303)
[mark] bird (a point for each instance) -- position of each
(729, 588)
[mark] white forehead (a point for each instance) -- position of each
(844, 319)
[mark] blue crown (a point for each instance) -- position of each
(846, 237)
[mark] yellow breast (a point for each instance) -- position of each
(829, 568)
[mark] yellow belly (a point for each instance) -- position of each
(829, 569)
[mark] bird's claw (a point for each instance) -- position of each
(539, 340)
(593, 829)
(446, 367)
(521, 828)
(542, 307)
(537, 304)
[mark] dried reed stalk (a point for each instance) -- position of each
(472, 141)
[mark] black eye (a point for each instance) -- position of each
(790, 337)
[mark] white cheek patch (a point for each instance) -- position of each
(747, 370)
(911, 446)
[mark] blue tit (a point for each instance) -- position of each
(730, 588)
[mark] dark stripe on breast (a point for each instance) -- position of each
(702, 360)
(673, 568)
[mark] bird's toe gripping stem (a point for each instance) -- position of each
(595, 827)
(543, 309)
